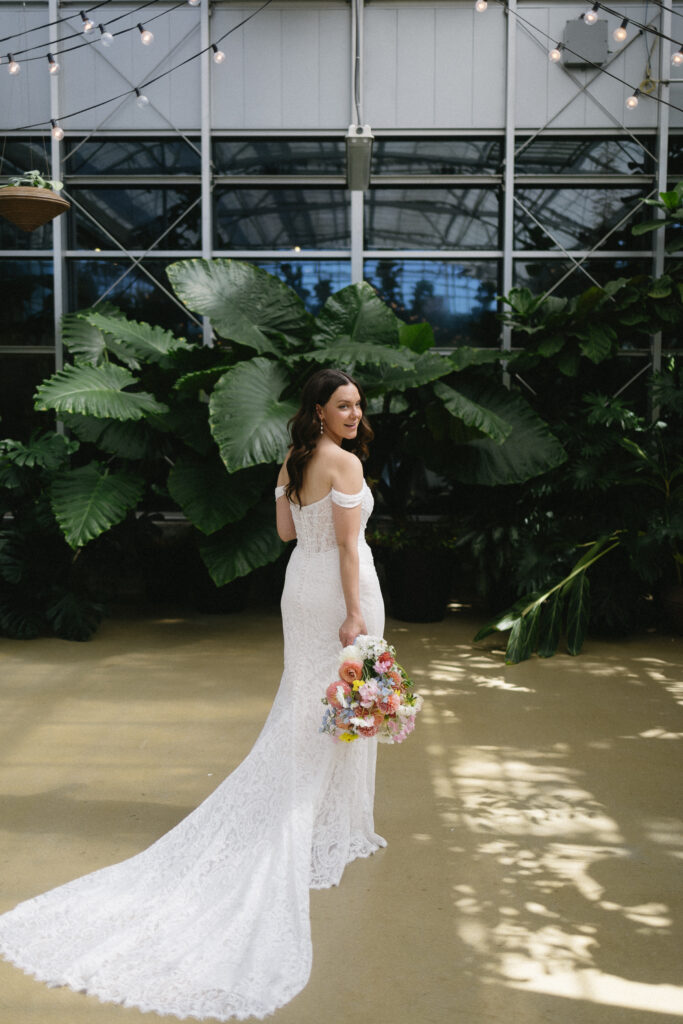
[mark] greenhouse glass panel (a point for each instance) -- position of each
(20, 375)
(313, 280)
(579, 218)
(128, 287)
(281, 218)
(12, 237)
(132, 156)
(436, 156)
(551, 154)
(23, 154)
(279, 156)
(432, 218)
(27, 313)
(457, 299)
(675, 163)
(541, 275)
(136, 217)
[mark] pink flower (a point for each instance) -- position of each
(384, 663)
(368, 693)
(390, 704)
(332, 694)
(351, 670)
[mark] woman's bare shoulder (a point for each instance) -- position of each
(346, 471)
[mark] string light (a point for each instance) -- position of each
(146, 37)
(194, 3)
(14, 65)
(54, 66)
(677, 58)
(632, 101)
(106, 38)
(141, 100)
(619, 34)
(218, 55)
(555, 54)
(592, 16)
(57, 132)
(88, 25)
(480, 5)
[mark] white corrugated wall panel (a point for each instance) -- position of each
(24, 98)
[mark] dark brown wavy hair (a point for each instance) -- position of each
(304, 426)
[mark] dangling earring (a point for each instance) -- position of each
(321, 426)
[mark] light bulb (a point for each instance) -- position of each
(592, 16)
(194, 3)
(87, 25)
(481, 5)
(620, 33)
(218, 55)
(555, 54)
(632, 101)
(106, 38)
(146, 37)
(677, 58)
(14, 65)
(54, 66)
(57, 132)
(140, 99)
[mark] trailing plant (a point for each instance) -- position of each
(34, 179)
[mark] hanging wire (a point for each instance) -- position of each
(57, 21)
(91, 42)
(149, 81)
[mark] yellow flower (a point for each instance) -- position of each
(357, 684)
(347, 737)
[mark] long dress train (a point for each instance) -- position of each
(212, 920)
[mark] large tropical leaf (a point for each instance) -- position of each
(244, 303)
(351, 354)
(86, 342)
(472, 413)
(356, 313)
(129, 439)
(239, 549)
(418, 337)
(384, 377)
(143, 341)
(72, 616)
(47, 451)
(578, 611)
(211, 497)
(96, 391)
(247, 418)
(529, 450)
(89, 500)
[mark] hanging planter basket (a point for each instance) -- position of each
(28, 207)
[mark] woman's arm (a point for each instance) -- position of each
(284, 522)
(349, 480)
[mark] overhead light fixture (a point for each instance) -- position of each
(620, 33)
(146, 37)
(14, 65)
(359, 139)
(592, 16)
(106, 38)
(632, 101)
(57, 130)
(53, 64)
(218, 55)
(677, 58)
(88, 24)
(140, 99)
(555, 54)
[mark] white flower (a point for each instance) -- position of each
(363, 723)
(405, 711)
(419, 701)
(351, 653)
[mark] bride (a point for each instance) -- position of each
(212, 920)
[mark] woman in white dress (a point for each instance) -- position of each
(212, 920)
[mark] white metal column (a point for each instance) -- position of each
(59, 223)
(662, 164)
(509, 168)
(356, 117)
(206, 163)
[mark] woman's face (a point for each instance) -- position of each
(342, 413)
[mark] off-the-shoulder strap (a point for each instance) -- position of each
(279, 491)
(346, 500)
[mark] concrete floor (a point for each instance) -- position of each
(535, 859)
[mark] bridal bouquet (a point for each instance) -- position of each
(372, 697)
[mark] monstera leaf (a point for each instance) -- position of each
(89, 500)
(87, 343)
(244, 303)
(211, 497)
(139, 340)
(356, 314)
(243, 547)
(96, 391)
(247, 418)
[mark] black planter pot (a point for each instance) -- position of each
(418, 583)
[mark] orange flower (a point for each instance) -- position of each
(350, 671)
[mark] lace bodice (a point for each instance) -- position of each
(314, 523)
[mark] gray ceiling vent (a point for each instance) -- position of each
(588, 43)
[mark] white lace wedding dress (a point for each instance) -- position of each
(212, 920)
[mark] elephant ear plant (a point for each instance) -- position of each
(166, 424)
